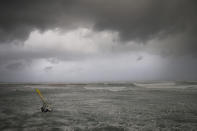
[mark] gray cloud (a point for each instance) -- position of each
(48, 68)
(15, 66)
(139, 58)
(19, 18)
(164, 28)
(134, 19)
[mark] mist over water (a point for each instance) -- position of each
(100, 107)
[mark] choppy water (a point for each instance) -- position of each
(100, 107)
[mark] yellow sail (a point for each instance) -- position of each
(39, 93)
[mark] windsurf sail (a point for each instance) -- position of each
(41, 96)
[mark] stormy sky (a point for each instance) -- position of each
(97, 40)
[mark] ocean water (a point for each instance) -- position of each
(163, 106)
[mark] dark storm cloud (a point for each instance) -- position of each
(145, 19)
(19, 18)
(15, 66)
(133, 19)
(48, 68)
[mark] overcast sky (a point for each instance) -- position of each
(97, 40)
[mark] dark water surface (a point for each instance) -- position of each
(100, 107)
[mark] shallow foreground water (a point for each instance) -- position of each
(100, 107)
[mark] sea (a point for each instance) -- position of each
(126, 106)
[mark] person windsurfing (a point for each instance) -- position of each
(45, 106)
